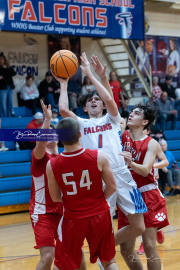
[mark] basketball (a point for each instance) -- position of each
(64, 64)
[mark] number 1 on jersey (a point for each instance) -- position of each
(100, 141)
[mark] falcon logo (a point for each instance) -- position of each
(125, 19)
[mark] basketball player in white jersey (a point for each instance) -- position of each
(104, 132)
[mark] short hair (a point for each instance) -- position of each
(155, 78)
(70, 131)
(163, 141)
(29, 77)
(150, 113)
(85, 97)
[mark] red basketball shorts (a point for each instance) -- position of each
(45, 229)
(157, 212)
(99, 233)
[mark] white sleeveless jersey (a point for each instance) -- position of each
(104, 134)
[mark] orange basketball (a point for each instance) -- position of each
(64, 64)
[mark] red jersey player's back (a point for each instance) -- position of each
(80, 181)
(41, 202)
(138, 150)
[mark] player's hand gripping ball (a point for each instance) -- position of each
(64, 64)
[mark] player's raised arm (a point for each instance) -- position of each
(107, 174)
(161, 156)
(101, 72)
(40, 147)
(63, 99)
(53, 186)
(148, 162)
(103, 93)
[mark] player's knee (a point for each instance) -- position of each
(149, 248)
(48, 258)
(139, 228)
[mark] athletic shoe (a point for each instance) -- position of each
(4, 148)
(141, 249)
(160, 237)
(176, 191)
(171, 192)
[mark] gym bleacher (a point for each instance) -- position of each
(15, 181)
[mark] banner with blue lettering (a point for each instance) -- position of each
(122, 19)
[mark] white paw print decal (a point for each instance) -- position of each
(160, 217)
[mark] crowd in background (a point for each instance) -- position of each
(165, 97)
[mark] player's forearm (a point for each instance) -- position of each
(105, 83)
(109, 191)
(140, 169)
(103, 93)
(63, 100)
(162, 164)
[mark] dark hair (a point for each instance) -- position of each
(85, 97)
(6, 63)
(70, 131)
(150, 113)
(29, 77)
(84, 81)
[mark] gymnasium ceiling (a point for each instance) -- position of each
(162, 6)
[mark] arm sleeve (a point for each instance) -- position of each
(36, 94)
(115, 119)
(11, 71)
(24, 95)
(83, 90)
(177, 61)
(161, 111)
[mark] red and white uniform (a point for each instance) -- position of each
(86, 213)
(148, 186)
(45, 214)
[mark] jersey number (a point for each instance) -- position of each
(100, 141)
(85, 175)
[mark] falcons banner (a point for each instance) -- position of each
(122, 19)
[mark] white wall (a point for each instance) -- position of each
(163, 24)
(92, 47)
(14, 43)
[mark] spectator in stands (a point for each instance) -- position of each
(124, 111)
(172, 171)
(165, 111)
(54, 119)
(116, 88)
(87, 86)
(30, 94)
(156, 89)
(37, 122)
(73, 92)
(167, 87)
(6, 87)
(49, 91)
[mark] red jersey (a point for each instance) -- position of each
(41, 202)
(33, 125)
(116, 89)
(138, 150)
(80, 181)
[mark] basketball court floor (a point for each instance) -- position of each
(17, 241)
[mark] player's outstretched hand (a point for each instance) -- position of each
(86, 65)
(98, 67)
(46, 110)
(127, 157)
(60, 80)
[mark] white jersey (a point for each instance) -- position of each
(103, 133)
